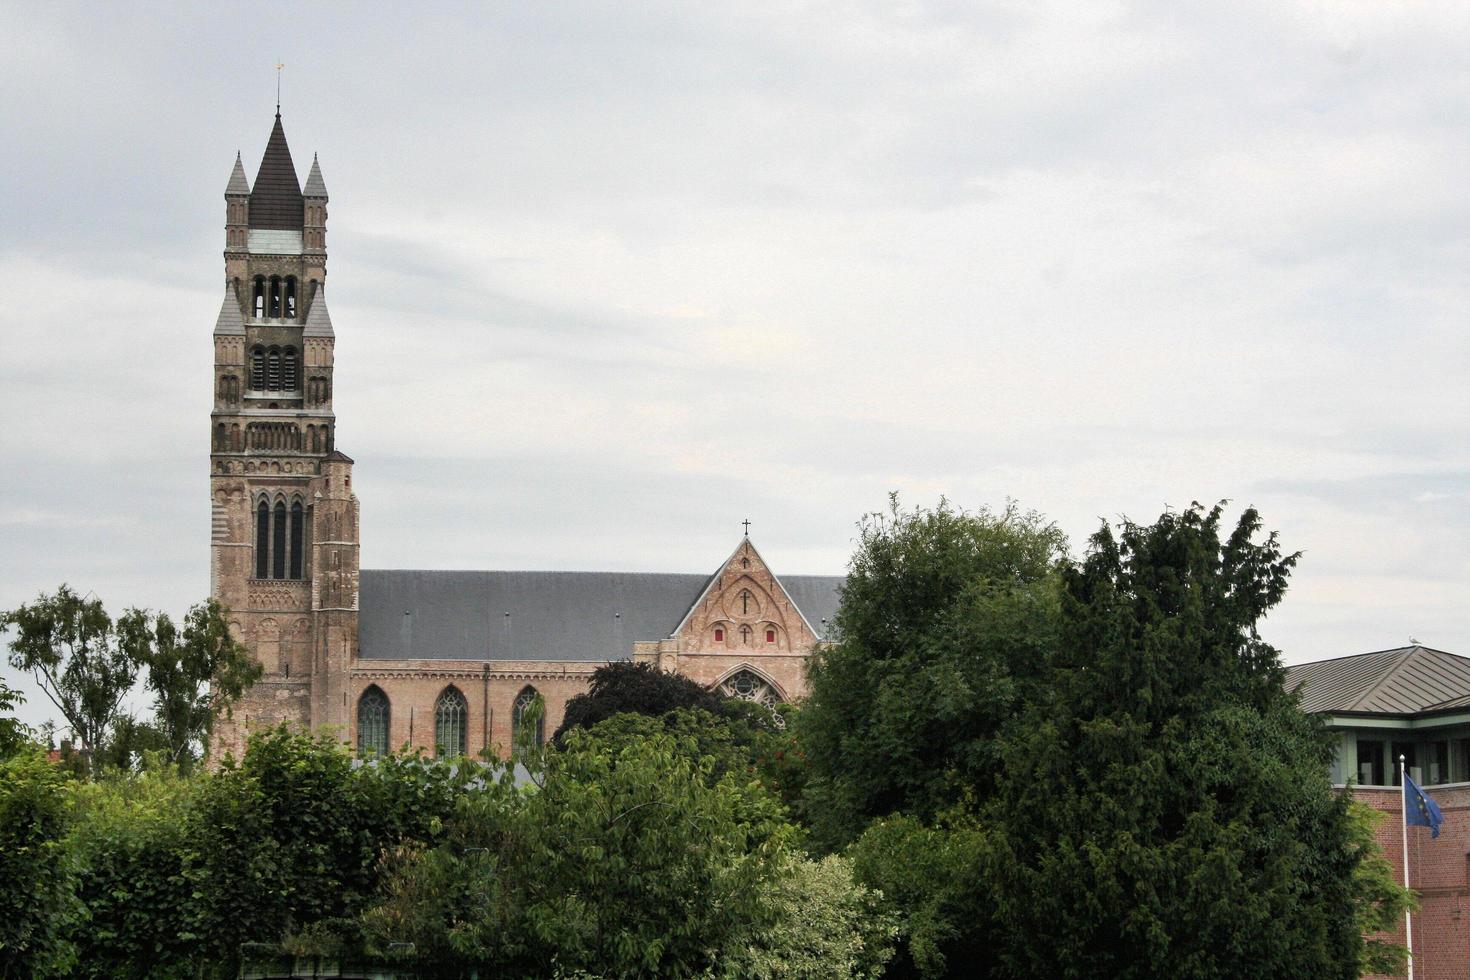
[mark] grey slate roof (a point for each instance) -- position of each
(230, 322)
(318, 321)
(577, 616)
(1402, 681)
(238, 184)
(315, 186)
(276, 201)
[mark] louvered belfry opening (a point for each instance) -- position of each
(276, 200)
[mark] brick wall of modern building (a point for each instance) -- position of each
(1438, 871)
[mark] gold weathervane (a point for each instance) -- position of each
(279, 66)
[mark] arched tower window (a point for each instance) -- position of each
(451, 716)
(278, 542)
(275, 304)
(257, 368)
(522, 704)
(298, 534)
(289, 372)
(290, 297)
(262, 540)
(273, 369)
(257, 305)
(373, 714)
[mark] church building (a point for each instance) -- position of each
(442, 660)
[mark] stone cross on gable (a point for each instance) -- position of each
(746, 522)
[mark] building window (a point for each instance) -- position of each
(523, 702)
(1462, 760)
(451, 715)
(262, 540)
(719, 635)
(278, 542)
(1411, 762)
(257, 369)
(258, 305)
(770, 636)
(298, 534)
(372, 722)
(1370, 762)
(1436, 763)
(290, 373)
(747, 685)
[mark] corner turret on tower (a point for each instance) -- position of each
(314, 232)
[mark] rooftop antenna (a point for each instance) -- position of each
(279, 65)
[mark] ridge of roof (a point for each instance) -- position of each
(1372, 653)
(315, 186)
(1388, 672)
(238, 184)
(276, 201)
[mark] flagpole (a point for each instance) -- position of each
(1404, 824)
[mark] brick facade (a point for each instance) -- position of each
(1439, 870)
(271, 443)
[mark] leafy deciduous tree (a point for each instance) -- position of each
(194, 674)
(946, 618)
(67, 643)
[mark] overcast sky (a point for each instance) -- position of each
(608, 279)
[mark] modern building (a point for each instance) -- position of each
(1412, 702)
(443, 660)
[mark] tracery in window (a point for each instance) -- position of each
(451, 714)
(523, 702)
(747, 685)
(373, 713)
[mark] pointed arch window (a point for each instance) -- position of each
(278, 542)
(373, 715)
(518, 721)
(262, 540)
(451, 722)
(747, 685)
(298, 534)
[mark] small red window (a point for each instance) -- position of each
(770, 636)
(719, 636)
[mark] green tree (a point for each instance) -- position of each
(824, 925)
(946, 622)
(626, 860)
(37, 906)
(1164, 807)
(128, 844)
(14, 735)
(194, 674)
(68, 644)
(291, 837)
(626, 687)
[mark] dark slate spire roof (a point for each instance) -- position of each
(238, 184)
(315, 186)
(276, 201)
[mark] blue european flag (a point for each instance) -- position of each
(1419, 809)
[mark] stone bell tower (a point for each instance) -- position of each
(284, 541)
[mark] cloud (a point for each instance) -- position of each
(608, 279)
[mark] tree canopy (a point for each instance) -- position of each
(1127, 776)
